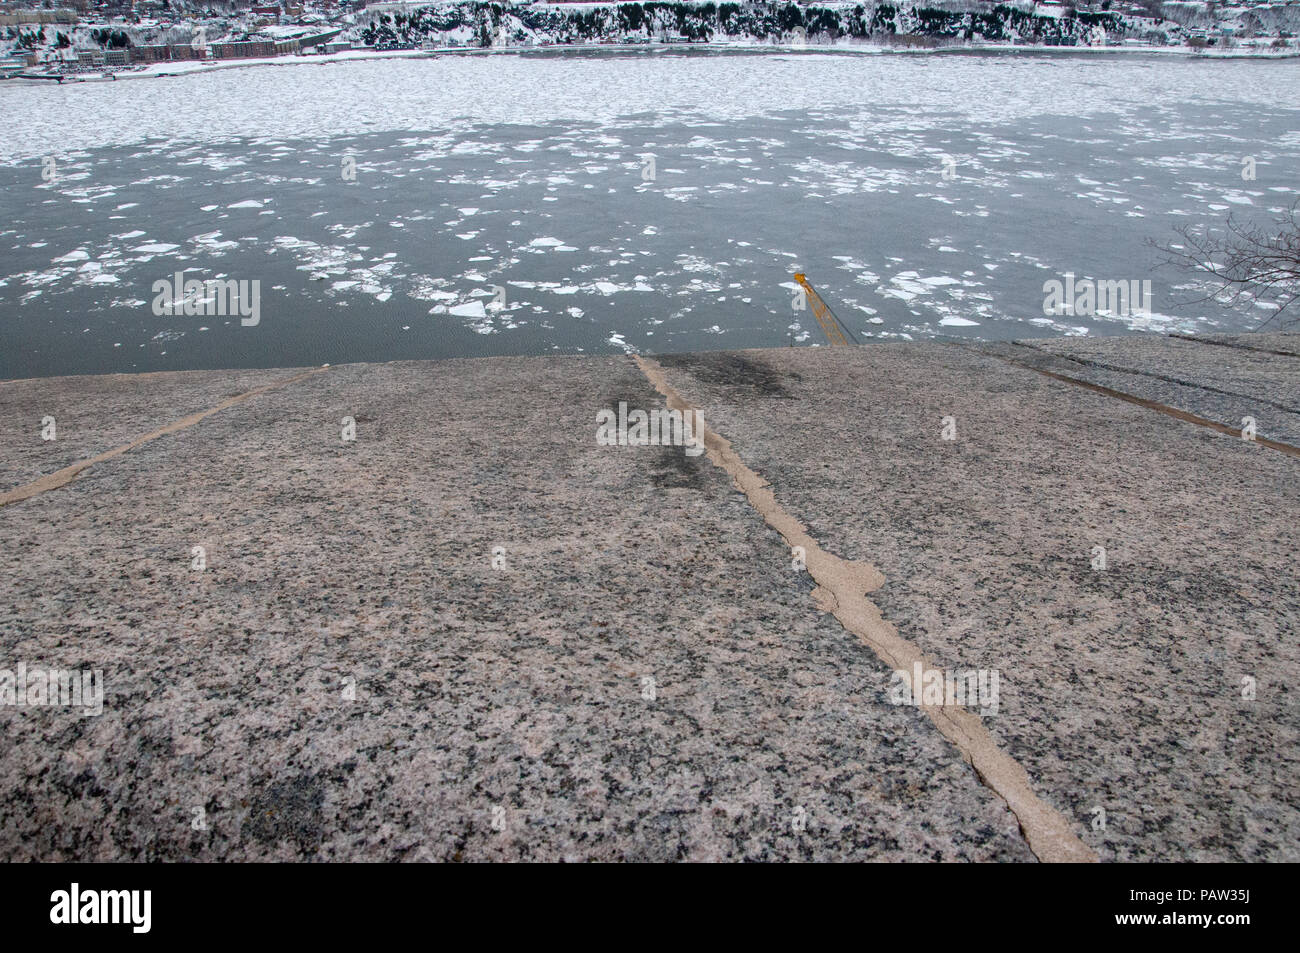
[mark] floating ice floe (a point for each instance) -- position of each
(909, 284)
(210, 242)
(617, 340)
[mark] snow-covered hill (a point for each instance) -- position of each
(937, 23)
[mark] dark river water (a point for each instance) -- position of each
(638, 229)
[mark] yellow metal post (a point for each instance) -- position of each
(831, 326)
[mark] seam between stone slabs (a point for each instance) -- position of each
(842, 587)
(1136, 372)
(1150, 405)
(61, 478)
(1237, 347)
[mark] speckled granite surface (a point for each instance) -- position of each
(1221, 378)
(94, 414)
(369, 564)
(1121, 688)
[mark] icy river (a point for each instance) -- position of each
(647, 201)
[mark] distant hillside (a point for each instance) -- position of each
(486, 24)
(929, 24)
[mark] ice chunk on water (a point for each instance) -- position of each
(473, 309)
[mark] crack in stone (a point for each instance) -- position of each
(842, 588)
(61, 478)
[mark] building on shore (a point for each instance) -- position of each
(243, 50)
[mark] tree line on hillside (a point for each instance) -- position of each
(705, 21)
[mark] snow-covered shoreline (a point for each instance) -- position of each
(191, 67)
(190, 38)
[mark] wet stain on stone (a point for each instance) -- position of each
(287, 810)
(630, 390)
(1161, 584)
(734, 371)
(674, 470)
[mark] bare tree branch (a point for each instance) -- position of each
(1245, 262)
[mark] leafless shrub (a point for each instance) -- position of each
(1246, 262)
